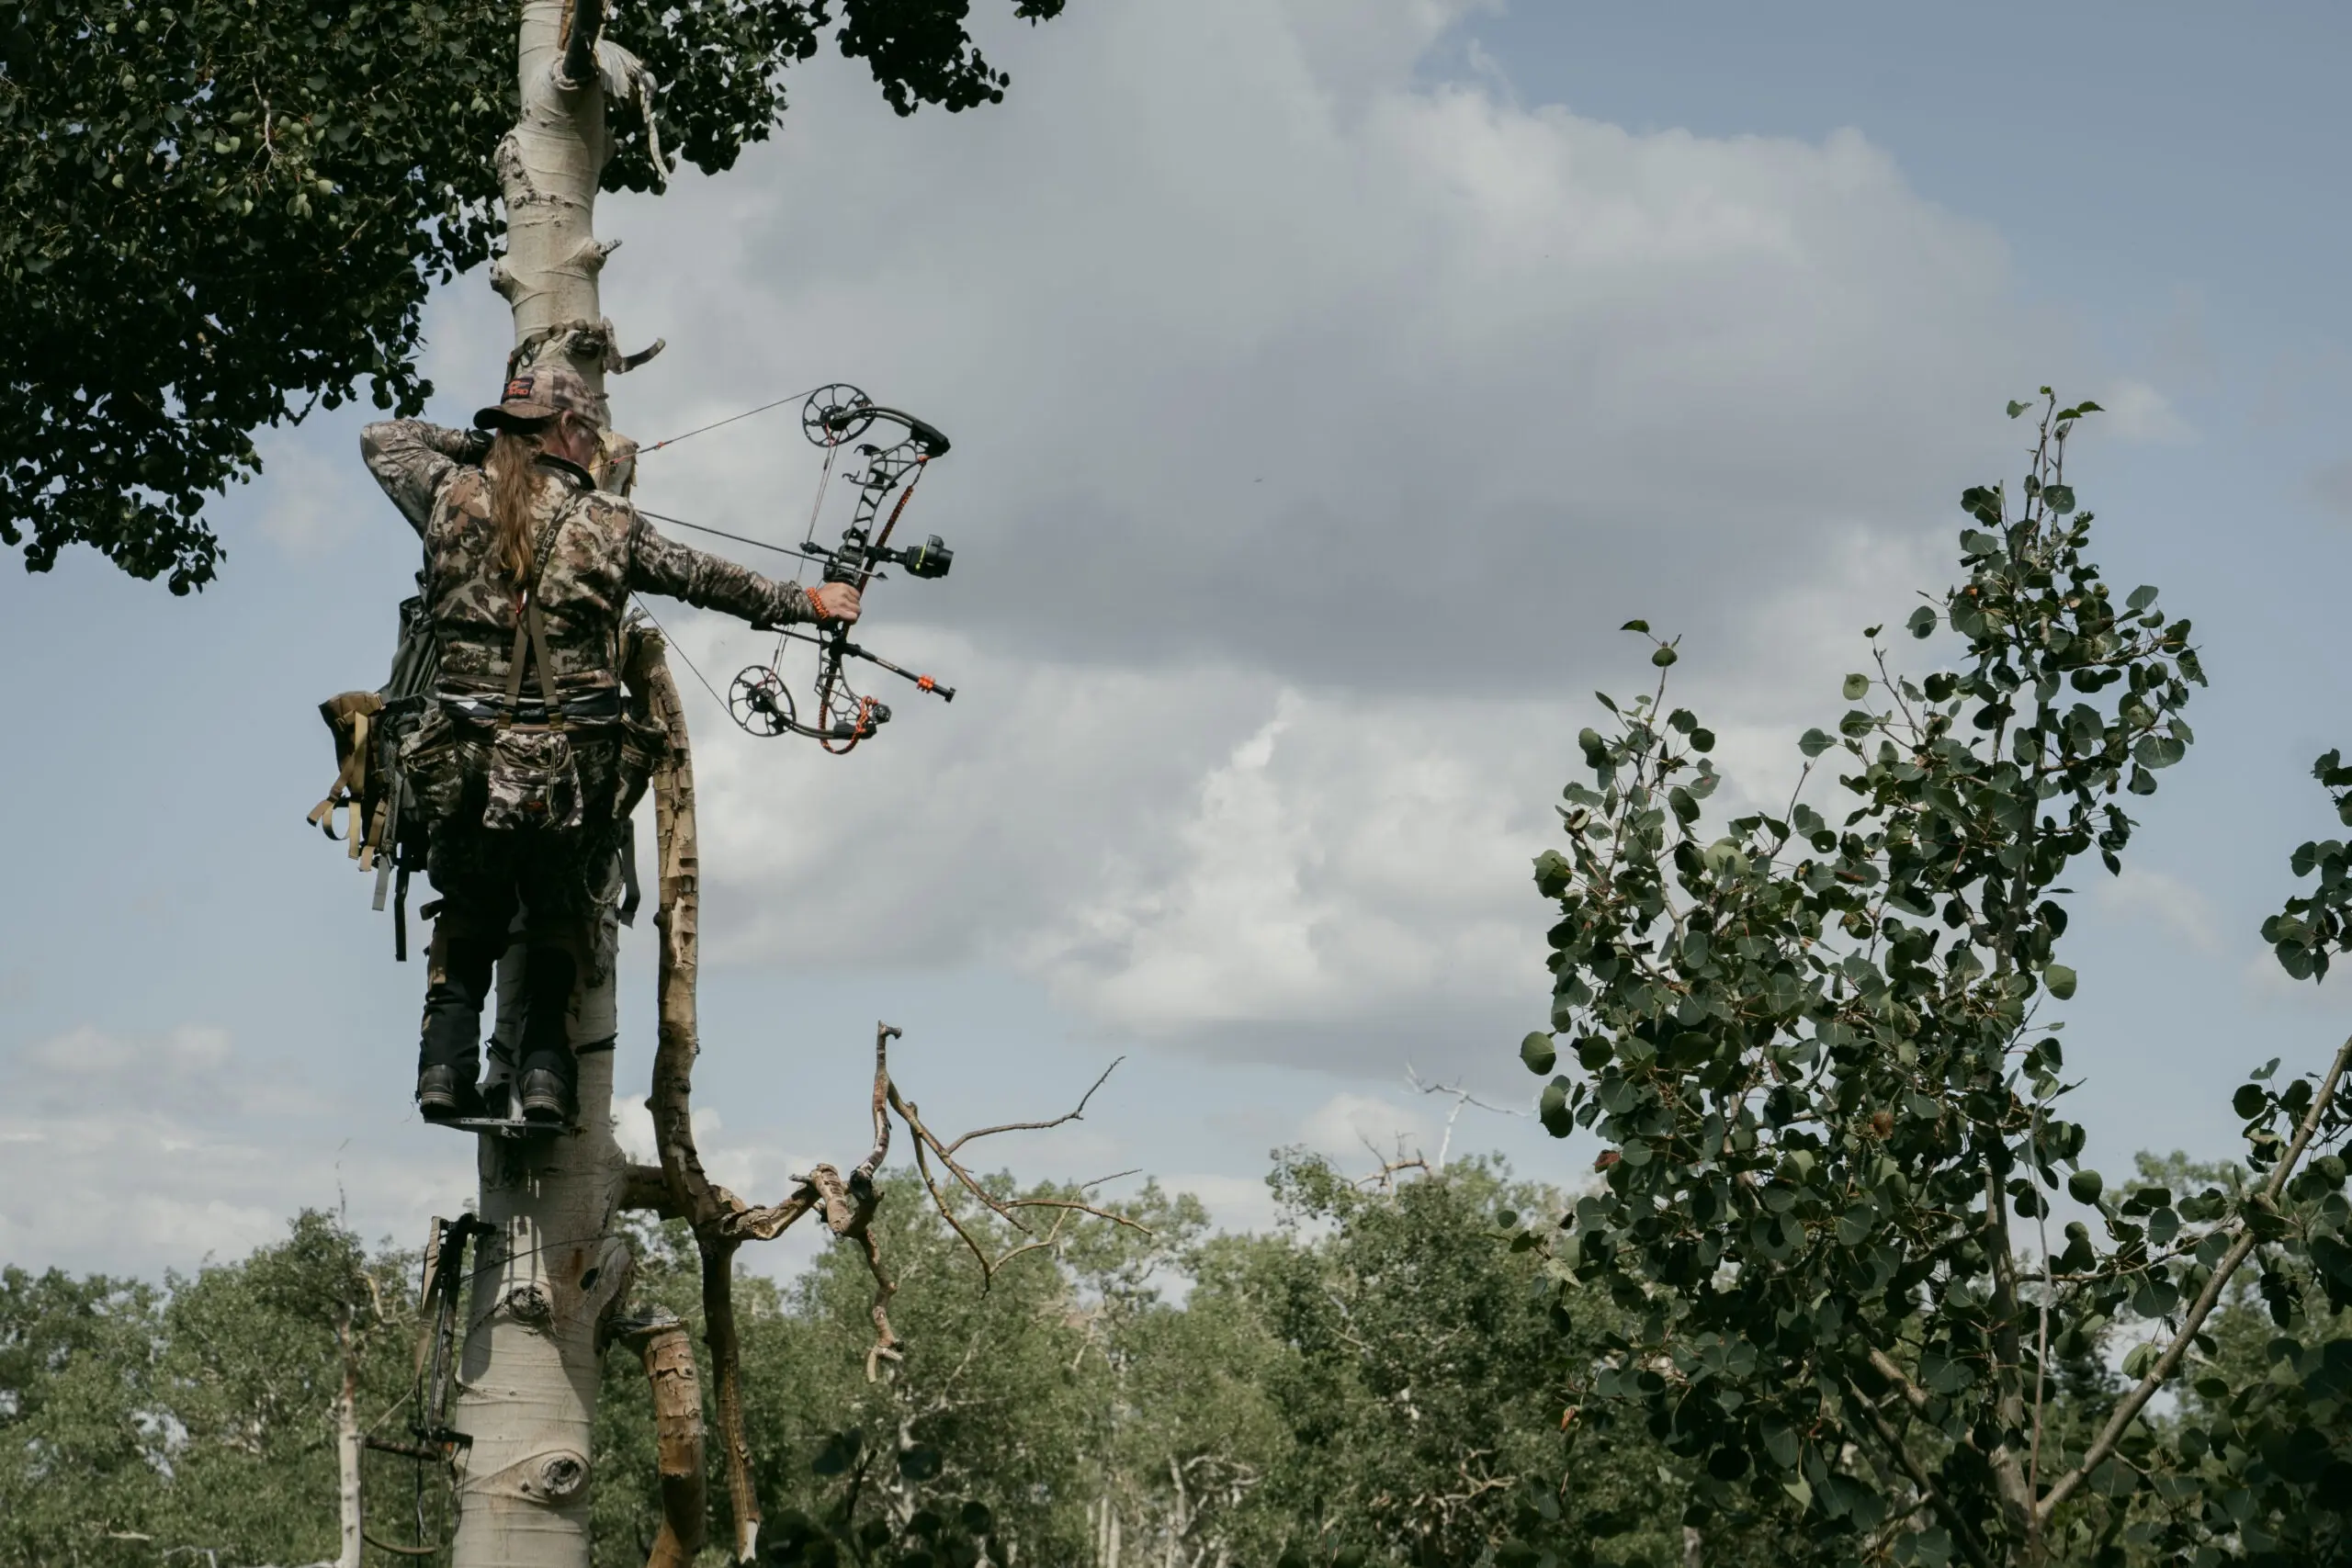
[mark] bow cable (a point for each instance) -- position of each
(731, 419)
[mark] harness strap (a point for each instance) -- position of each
(399, 917)
(531, 637)
(634, 895)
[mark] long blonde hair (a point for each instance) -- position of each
(514, 480)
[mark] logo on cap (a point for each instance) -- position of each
(519, 388)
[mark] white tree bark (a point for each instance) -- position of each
(547, 1277)
(548, 168)
(347, 1447)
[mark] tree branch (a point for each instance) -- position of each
(661, 1344)
(1901, 1453)
(1029, 1126)
(643, 1187)
(2157, 1375)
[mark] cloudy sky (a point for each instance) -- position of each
(1329, 379)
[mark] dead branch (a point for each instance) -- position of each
(1036, 1126)
(662, 1345)
(681, 1188)
(644, 1187)
(1004, 1208)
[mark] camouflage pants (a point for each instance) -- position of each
(565, 880)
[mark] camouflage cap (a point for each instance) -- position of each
(536, 395)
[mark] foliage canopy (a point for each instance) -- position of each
(1822, 1057)
(219, 214)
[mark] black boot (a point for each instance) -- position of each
(546, 1098)
(549, 1085)
(450, 1044)
(443, 1095)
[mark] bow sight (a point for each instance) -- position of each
(832, 418)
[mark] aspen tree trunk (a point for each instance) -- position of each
(549, 1271)
(348, 1448)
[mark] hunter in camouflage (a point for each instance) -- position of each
(529, 762)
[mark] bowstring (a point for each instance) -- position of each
(689, 657)
(731, 419)
(816, 510)
(832, 450)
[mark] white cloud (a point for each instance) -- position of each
(130, 1151)
(2166, 901)
(314, 500)
(1308, 453)
(2134, 410)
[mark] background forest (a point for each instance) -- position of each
(1382, 1379)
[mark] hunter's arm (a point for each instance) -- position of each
(409, 458)
(664, 565)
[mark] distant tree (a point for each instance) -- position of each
(1424, 1425)
(1821, 1055)
(140, 1425)
(76, 1374)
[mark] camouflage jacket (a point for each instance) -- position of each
(602, 551)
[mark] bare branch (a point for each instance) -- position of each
(1116, 1219)
(883, 1034)
(643, 1187)
(906, 1112)
(1884, 1365)
(885, 1341)
(1034, 1126)
(660, 1343)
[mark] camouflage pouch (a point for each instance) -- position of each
(433, 761)
(534, 781)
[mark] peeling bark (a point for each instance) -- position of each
(669, 1356)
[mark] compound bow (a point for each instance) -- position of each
(759, 700)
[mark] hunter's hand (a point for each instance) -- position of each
(836, 600)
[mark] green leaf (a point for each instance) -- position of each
(1663, 657)
(1538, 1052)
(2084, 1186)
(2250, 1101)
(2059, 498)
(1780, 1443)
(1922, 622)
(1856, 685)
(1813, 742)
(2060, 979)
(1703, 739)
(1552, 1110)
(1642, 626)
(2017, 408)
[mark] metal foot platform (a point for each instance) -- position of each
(497, 1128)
